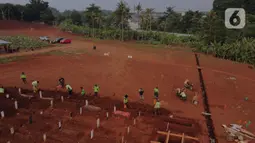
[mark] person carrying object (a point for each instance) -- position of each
(69, 90)
(35, 85)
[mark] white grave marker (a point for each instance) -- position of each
(44, 137)
(59, 125)
(91, 134)
(114, 109)
(51, 103)
(80, 110)
(19, 91)
(12, 130)
(16, 104)
(98, 123)
(40, 93)
(2, 114)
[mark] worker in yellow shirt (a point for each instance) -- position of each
(69, 90)
(1, 89)
(157, 107)
(35, 85)
(125, 101)
(23, 77)
(82, 91)
(156, 94)
(96, 89)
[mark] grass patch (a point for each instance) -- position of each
(10, 59)
(24, 42)
(68, 52)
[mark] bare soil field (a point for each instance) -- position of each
(227, 85)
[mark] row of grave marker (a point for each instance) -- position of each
(60, 123)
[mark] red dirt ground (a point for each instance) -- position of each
(149, 67)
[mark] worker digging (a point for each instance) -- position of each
(69, 90)
(96, 90)
(125, 101)
(83, 92)
(61, 82)
(188, 84)
(157, 107)
(1, 89)
(35, 86)
(23, 77)
(141, 91)
(181, 94)
(156, 95)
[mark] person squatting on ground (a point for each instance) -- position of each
(181, 93)
(125, 101)
(61, 82)
(96, 90)
(23, 77)
(141, 91)
(157, 107)
(195, 99)
(188, 84)
(35, 85)
(156, 94)
(83, 92)
(1, 89)
(69, 90)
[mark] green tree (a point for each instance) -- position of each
(138, 9)
(93, 14)
(121, 17)
(34, 9)
(170, 21)
(213, 29)
(76, 17)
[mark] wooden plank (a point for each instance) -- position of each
(183, 137)
(155, 142)
(167, 137)
(178, 135)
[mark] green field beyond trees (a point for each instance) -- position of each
(207, 29)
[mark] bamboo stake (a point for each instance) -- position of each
(155, 142)
(167, 137)
(177, 135)
(183, 137)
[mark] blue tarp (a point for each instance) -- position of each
(2, 42)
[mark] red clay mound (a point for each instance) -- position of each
(14, 25)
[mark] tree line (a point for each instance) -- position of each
(208, 29)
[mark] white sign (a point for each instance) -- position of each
(235, 18)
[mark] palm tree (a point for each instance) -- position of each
(138, 9)
(122, 14)
(92, 15)
(149, 12)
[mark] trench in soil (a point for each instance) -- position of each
(78, 128)
(209, 121)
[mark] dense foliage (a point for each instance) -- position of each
(209, 33)
(24, 42)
